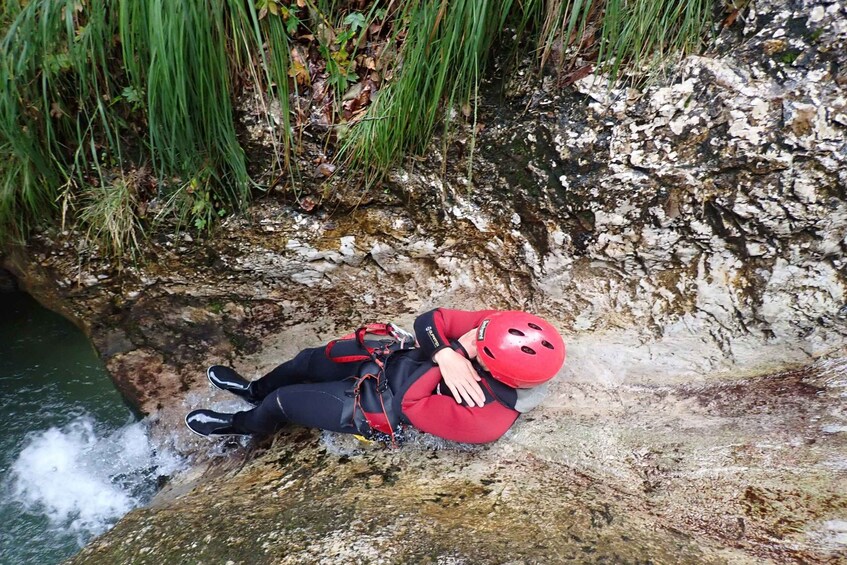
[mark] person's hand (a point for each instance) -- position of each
(460, 376)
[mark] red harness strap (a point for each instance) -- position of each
(377, 329)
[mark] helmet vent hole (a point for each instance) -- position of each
(528, 350)
(513, 331)
(488, 352)
(534, 326)
(547, 344)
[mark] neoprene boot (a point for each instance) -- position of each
(211, 423)
(227, 379)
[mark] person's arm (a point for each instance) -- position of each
(449, 338)
(437, 328)
(441, 416)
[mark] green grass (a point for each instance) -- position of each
(110, 216)
(97, 87)
(443, 56)
(448, 44)
(93, 90)
(638, 34)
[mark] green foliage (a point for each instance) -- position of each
(48, 97)
(637, 33)
(92, 89)
(89, 84)
(445, 49)
(188, 107)
(788, 57)
(109, 213)
(195, 203)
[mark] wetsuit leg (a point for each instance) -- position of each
(315, 405)
(310, 365)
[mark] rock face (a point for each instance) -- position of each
(736, 472)
(689, 240)
(715, 203)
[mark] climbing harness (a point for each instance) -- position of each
(372, 409)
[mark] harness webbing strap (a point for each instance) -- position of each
(377, 329)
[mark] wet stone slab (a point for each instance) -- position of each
(747, 471)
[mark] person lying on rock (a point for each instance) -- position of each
(467, 379)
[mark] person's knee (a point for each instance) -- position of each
(304, 358)
(273, 404)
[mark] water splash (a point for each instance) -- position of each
(83, 479)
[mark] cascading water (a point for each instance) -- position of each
(73, 458)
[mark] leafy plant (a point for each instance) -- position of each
(194, 203)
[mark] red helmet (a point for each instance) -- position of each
(520, 350)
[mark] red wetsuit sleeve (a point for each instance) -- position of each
(442, 416)
(437, 328)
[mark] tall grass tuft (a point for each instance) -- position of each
(101, 85)
(111, 218)
(446, 47)
(53, 80)
(640, 34)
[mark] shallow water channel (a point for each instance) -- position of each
(73, 456)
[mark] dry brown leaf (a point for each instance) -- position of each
(307, 203)
(353, 92)
(325, 169)
(326, 35)
(357, 105)
(577, 74)
(730, 19)
(357, 115)
(298, 70)
(319, 88)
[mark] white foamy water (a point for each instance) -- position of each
(83, 481)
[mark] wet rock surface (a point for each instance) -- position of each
(747, 471)
(688, 238)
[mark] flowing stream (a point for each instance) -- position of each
(73, 456)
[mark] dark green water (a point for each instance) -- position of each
(72, 457)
